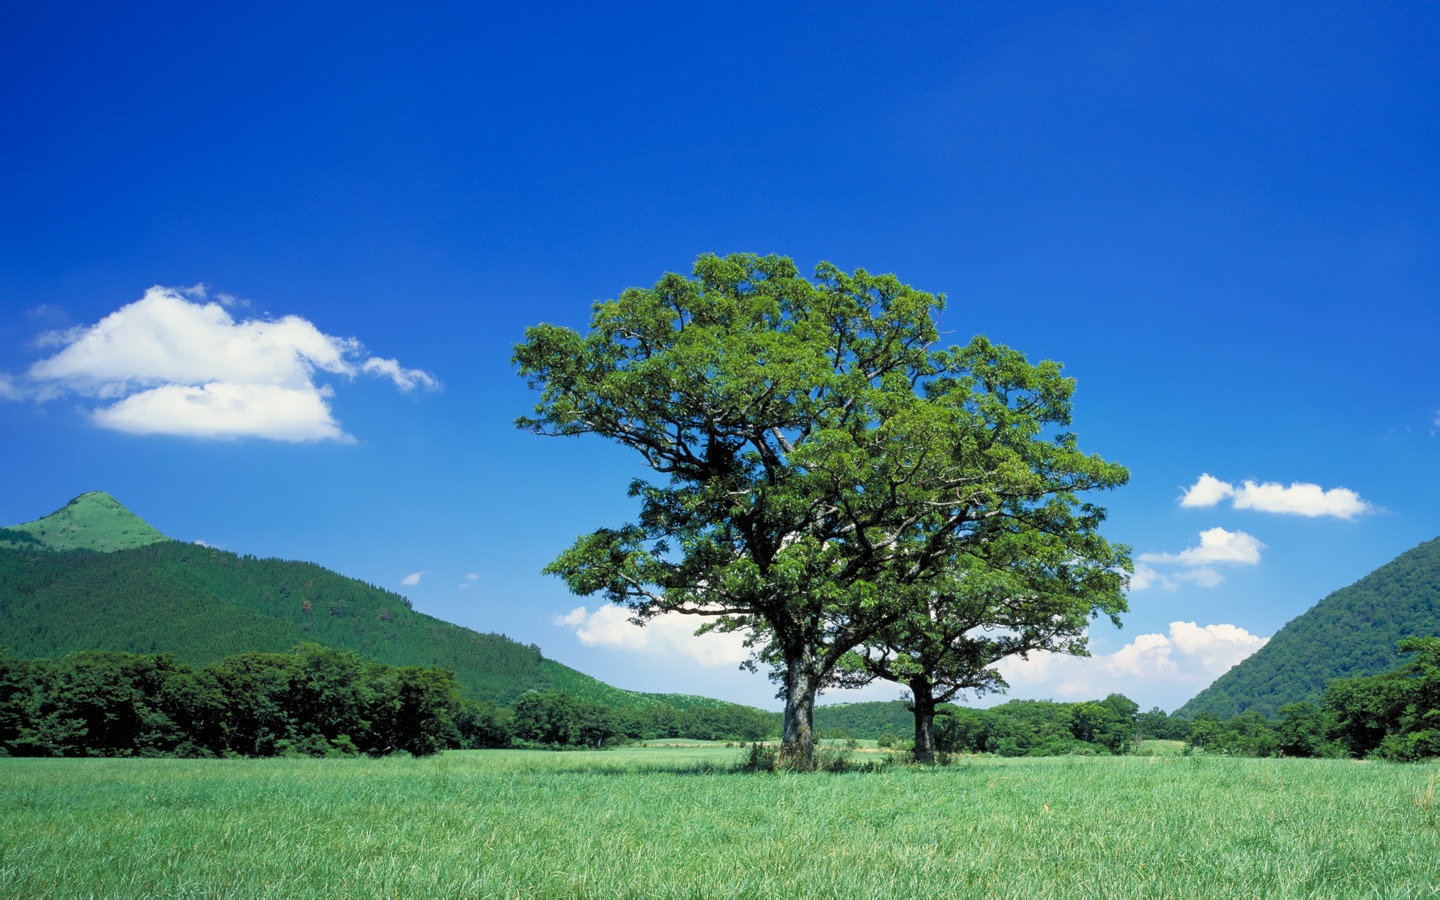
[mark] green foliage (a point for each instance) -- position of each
(1395, 715)
(821, 462)
(554, 719)
(867, 721)
(1040, 728)
(93, 521)
(1156, 725)
(314, 701)
(1352, 633)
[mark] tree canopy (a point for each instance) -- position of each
(821, 461)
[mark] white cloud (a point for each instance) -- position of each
(1144, 578)
(1301, 500)
(405, 379)
(222, 410)
(573, 618)
(1145, 657)
(170, 364)
(1216, 546)
(666, 636)
(9, 390)
(1216, 647)
(412, 579)
(1153, 669)
(1207, 491)
(1298, 498)
(469, 581)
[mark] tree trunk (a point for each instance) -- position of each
(797, 737)
(923, 705)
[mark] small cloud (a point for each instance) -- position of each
(405, 379)
(1195, 565)
(665, 636)
(1146, 577)
(1298, 498)
(412, 579)
(573, 618)
(1207, 491)
(469, 581)
(1216, 546)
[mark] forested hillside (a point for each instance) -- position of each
(204, 604)
(1351, 633)
(58, 596)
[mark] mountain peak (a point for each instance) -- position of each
(92, 521)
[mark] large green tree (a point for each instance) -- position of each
(820, 458)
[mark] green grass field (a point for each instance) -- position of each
(676, 822)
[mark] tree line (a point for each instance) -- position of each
(556, 720)
(1393, 716)
(315, 701)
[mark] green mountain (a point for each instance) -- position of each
(1350, 633)
(146, 593)
(93, 521)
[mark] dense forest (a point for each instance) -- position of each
(1394, 716)
(1354, 632)
(202, 604)
(314, 700)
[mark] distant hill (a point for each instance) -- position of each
(1350, 633)
(869, 720)
(93, 521)
(145, 593)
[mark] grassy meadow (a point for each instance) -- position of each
(675, 821)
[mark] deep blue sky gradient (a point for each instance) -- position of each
(1224, 218)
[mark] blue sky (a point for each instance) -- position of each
(1223, 218)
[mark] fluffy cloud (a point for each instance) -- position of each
(222, 410)
(1195, 565)
(1152, 669)
(1216, 546)
(1207, 491)
(1217, 648)
(469, 581)
(174, 363)
(1298, 498)
(412, 579)
(667, 636)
